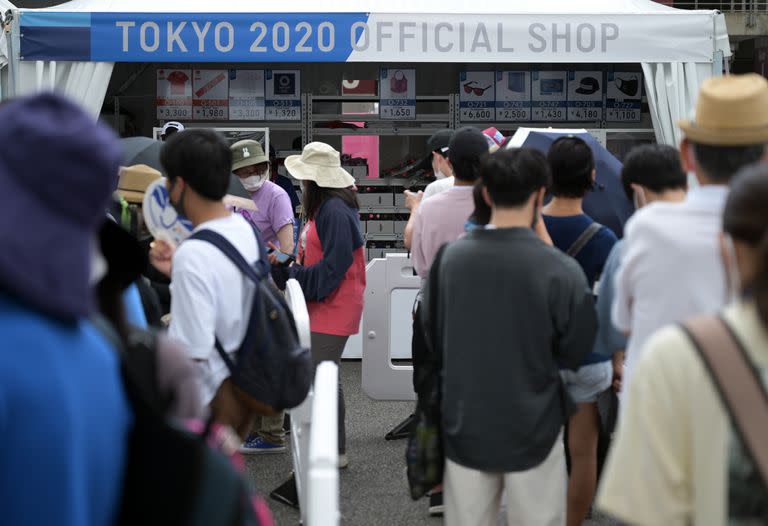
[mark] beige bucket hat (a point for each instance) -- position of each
(247, 153)
(730, 111)
(134, 181)
(320, 163)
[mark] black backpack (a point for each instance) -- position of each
(172, 477)
(271, 366)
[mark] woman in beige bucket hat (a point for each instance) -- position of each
(331, 269)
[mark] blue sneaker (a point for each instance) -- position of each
(255, 445)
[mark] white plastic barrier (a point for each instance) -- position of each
(387, 325)
(400, 306)
(315, 447)
(301, 416)
(322, 495)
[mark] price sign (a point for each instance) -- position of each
(624, 96)
(174, 94)
(398, 94)
(283, 95)
(585, 95)
(477, 96)
(513, 96)
(210, 94)
(548, 96)
(246, 95)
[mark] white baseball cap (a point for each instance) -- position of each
(179, 127)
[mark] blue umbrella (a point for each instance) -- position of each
(608, 204)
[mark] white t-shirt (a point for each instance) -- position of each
(436, 187)
(210, 296)
(671, 268)
(669, 463)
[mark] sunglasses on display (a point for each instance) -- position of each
(468, 88)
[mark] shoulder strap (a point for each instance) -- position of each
(583, 239)
(255, 273)
(738, 383)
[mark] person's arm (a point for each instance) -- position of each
(417, 249)
(610, 340)
(646, 480)
(576, 320)
(633, 252)
(339, 239)
(412, 202)
(281, 216)
(285, 238)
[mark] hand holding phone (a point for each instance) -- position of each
(277, 257)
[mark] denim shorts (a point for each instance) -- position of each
(586, 383)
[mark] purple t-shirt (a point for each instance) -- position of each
(274, 211)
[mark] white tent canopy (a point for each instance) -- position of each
(678, 48)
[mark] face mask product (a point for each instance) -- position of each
(254, 182)
(732, 270)
(627, 86)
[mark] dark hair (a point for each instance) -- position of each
(745, 218)
(572, 163)
(720, 163)
(467, 168)
(655, 166)
(314, 197)
(482, 214)
(512, 175)
(202, 159)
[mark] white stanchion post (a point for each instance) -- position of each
(301, 416)
(323, 478)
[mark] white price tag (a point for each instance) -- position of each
(624, 96)
(513, 96)
(246, 95)
(398, 94)
(283, 95)
(548, 96)
(210, 90)
(477, 96)
(585, 95)
(174, 94)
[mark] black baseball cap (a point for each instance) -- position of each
(467, 143)
(438, 142)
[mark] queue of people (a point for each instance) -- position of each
(529, 312)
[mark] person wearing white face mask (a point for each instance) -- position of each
(678, 458)
(274, 215)
(274, 218)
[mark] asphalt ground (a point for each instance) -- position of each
(374, 489)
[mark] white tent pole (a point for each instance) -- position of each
(39, 70)
(52, 75)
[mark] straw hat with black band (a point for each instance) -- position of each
(730, 111)
(134, 181)
(320, 163)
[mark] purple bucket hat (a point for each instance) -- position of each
(58, 167)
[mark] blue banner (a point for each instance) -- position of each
(198, 37)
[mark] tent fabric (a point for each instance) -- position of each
(5, 5)
(671, 85)
(83, 82)
(672, 90)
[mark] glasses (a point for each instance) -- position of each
(254, 169)
(469, 88)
